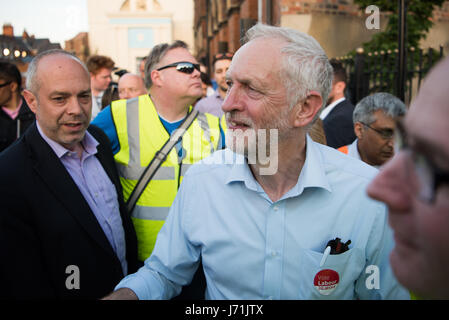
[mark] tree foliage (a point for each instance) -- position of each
(418, 22)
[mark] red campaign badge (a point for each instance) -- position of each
(326, 281)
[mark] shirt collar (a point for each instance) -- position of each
(313, 174)
(329, 108)
(89, 144)
(217, 95)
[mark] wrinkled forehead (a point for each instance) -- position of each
(60, 62)
(129, 80)
(261, 55)
(177, 55)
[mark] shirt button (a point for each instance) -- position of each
(274, 253)
(275, 208)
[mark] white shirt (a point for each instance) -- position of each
(353, 151)
(96, 104)
(329, 108)
(254, 248)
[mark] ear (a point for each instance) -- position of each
(156, 77)
(358, 130)
(13, 86)
(307, 109)
(31, 100)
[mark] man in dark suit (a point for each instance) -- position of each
(64, 229)
(337, 115)
(15, 116)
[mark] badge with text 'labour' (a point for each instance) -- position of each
(326, 281)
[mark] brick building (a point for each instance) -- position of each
(338, 25)
(79, 46)
(20, 50)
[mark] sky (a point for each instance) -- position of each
(57, 20)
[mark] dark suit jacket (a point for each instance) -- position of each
(8, 126)
(338, 125)
(46, 225)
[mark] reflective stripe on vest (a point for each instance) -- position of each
(141, 134)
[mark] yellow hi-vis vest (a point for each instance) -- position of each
(141, 134)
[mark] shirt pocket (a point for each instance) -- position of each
(347, 265)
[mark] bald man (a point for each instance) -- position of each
(64, 229)
(131, 85)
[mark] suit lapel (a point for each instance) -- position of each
(51, 170)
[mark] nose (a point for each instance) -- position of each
(74, 107)
(124, 94)
(196, 73)
(390, 142)
(391, 185)
(233, 100)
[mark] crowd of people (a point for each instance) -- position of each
(158, 186)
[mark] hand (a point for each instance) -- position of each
(122, 294)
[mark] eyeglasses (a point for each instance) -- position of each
(183, 66)
(386, 134)
(5, 84)
(430, 177)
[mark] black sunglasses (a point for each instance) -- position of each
(183, 66)
(5, 84)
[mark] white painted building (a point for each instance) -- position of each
(126, 30)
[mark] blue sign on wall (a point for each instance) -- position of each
(140, 38)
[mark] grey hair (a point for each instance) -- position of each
(388, 103)
(305, 66)
(156, 55)
(32, 81)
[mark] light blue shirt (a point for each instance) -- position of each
(252, 248)
(96, 188)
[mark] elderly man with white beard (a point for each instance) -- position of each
(304, 230)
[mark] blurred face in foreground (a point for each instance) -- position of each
(415, 187)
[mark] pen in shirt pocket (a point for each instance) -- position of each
(334, 247)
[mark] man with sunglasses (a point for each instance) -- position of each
(212, 104)
(15, 115)
(415, 187)
(139, 127)
(375, 119)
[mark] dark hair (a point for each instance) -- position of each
(205, 79)
(156, 55)
(96, 63)
(339, 70)
(109, 95)
(9, 72)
